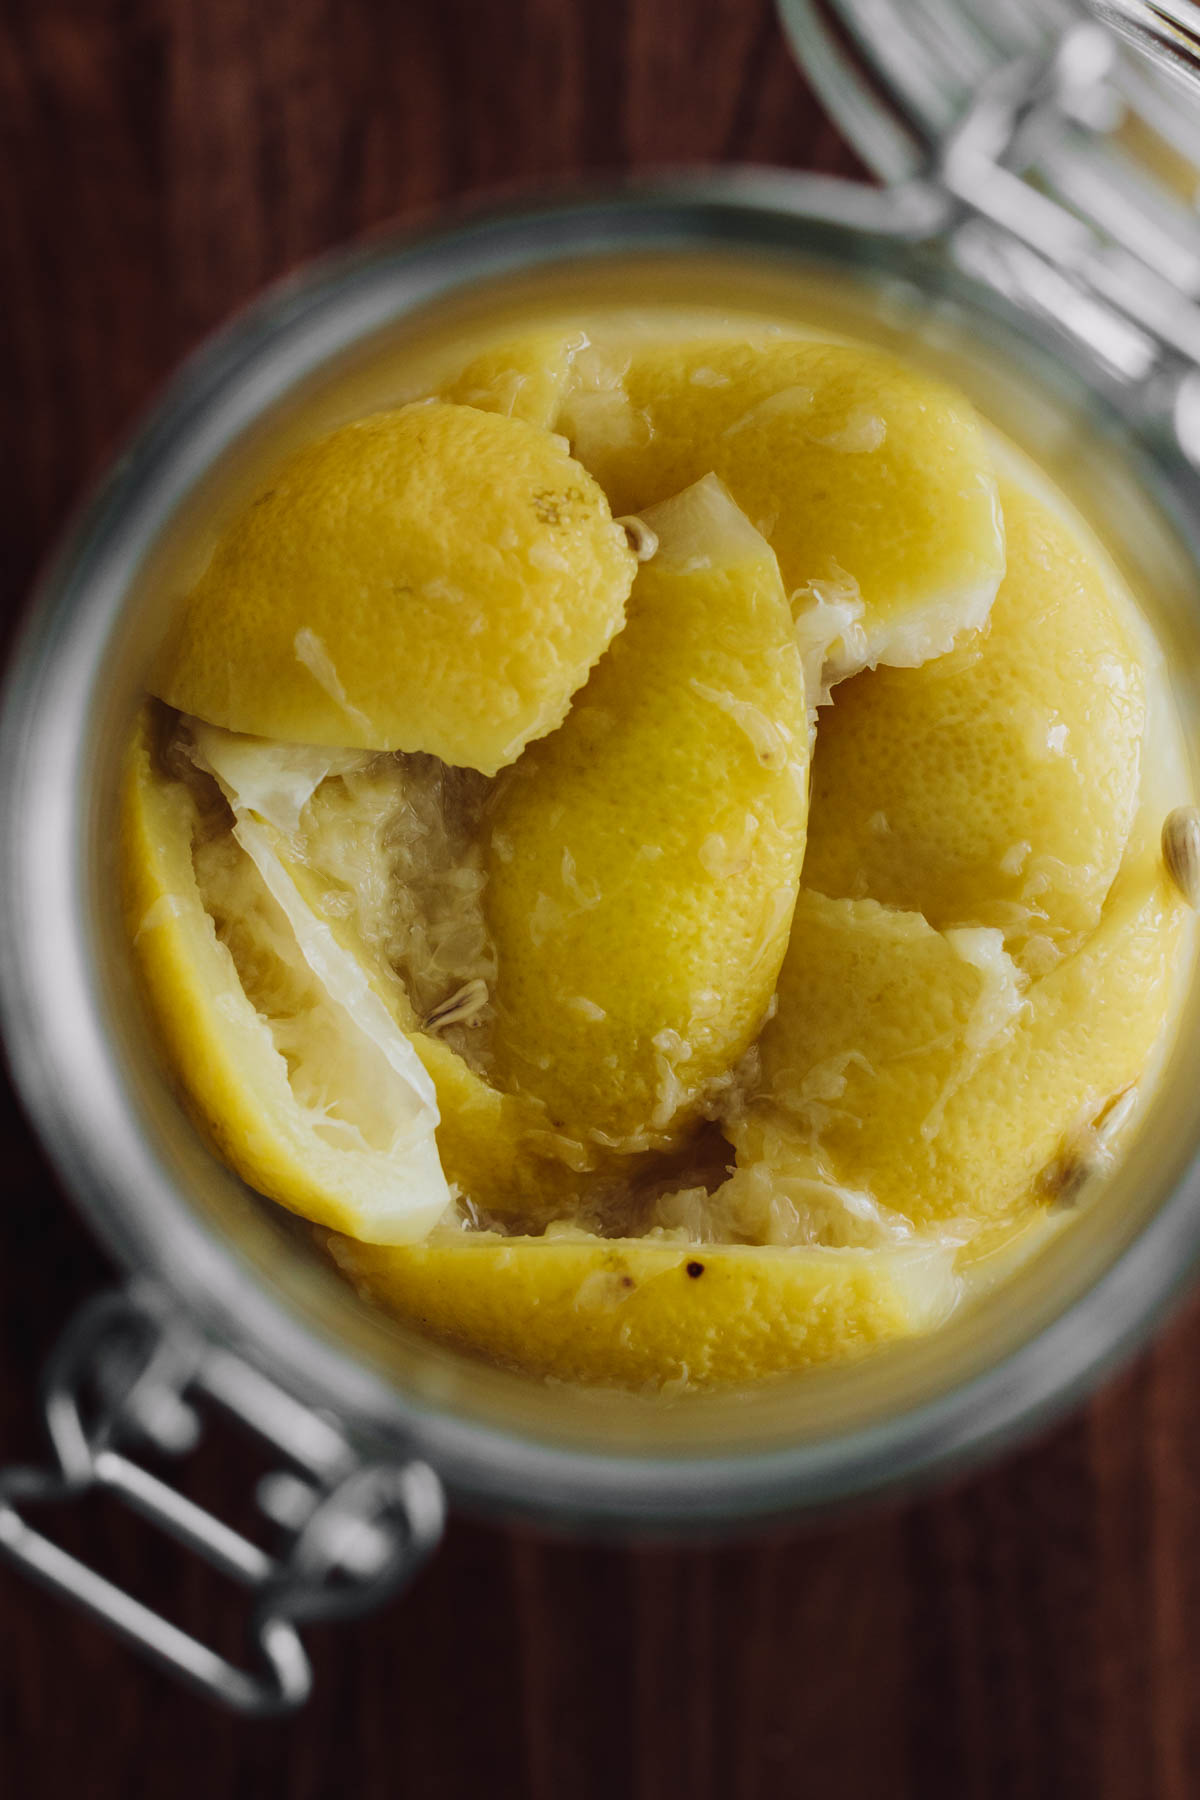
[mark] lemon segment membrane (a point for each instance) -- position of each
(996, 785)
(375, 881)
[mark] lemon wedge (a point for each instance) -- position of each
(644, 859)
(633, 1313)
(289, 1059)
(998, 785)
(434, 578)
(922, 1070)
(871, 480)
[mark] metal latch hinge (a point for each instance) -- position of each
(128, 1370)
(1044, 210)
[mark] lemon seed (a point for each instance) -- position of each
(460, 1007)
(643, 539)
(1181, 851)
(1064, 1180)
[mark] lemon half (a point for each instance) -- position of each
(922, 1070)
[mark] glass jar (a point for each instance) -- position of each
(1038, 244)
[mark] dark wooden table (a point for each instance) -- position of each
(1035, 1631)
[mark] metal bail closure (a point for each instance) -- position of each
(1097, 258)
(1069, 162)
(1167, 31)
(356, 1531)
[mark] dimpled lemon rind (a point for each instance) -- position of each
(998, 784)
(921, 1069)
(524, 378)
(871, 479)
(628, 1313)
(433, 578)
(302, 1086)
(643, 860)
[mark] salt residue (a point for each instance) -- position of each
(544, 556)
(709, 378)
(769, 737)
(1015, 857)
(311, 652)
(861, 432)
(725, 854)
(583, 898)
(790, 402)
(438, 588)
(670, 1049)
(160, 912)
(996, 1007)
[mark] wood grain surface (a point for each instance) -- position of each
(1034, 1632)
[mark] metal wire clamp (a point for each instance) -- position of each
(356, 1531)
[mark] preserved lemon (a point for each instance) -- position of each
(472, 881)
(643, 860)
(640, 1314)
(435, 578)
(525, 379)
(376, 853)
(871, 480)
(919, 1068)
(998, 784)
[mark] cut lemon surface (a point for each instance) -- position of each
(630, 1313)
(292, 1064)
(434, 578)
(375, 851)
(997, 785)
(644, 859)
(871, 479)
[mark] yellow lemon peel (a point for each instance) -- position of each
(644, 858)
(871, 480)
(433, 578)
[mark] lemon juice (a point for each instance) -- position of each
(652, 843)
